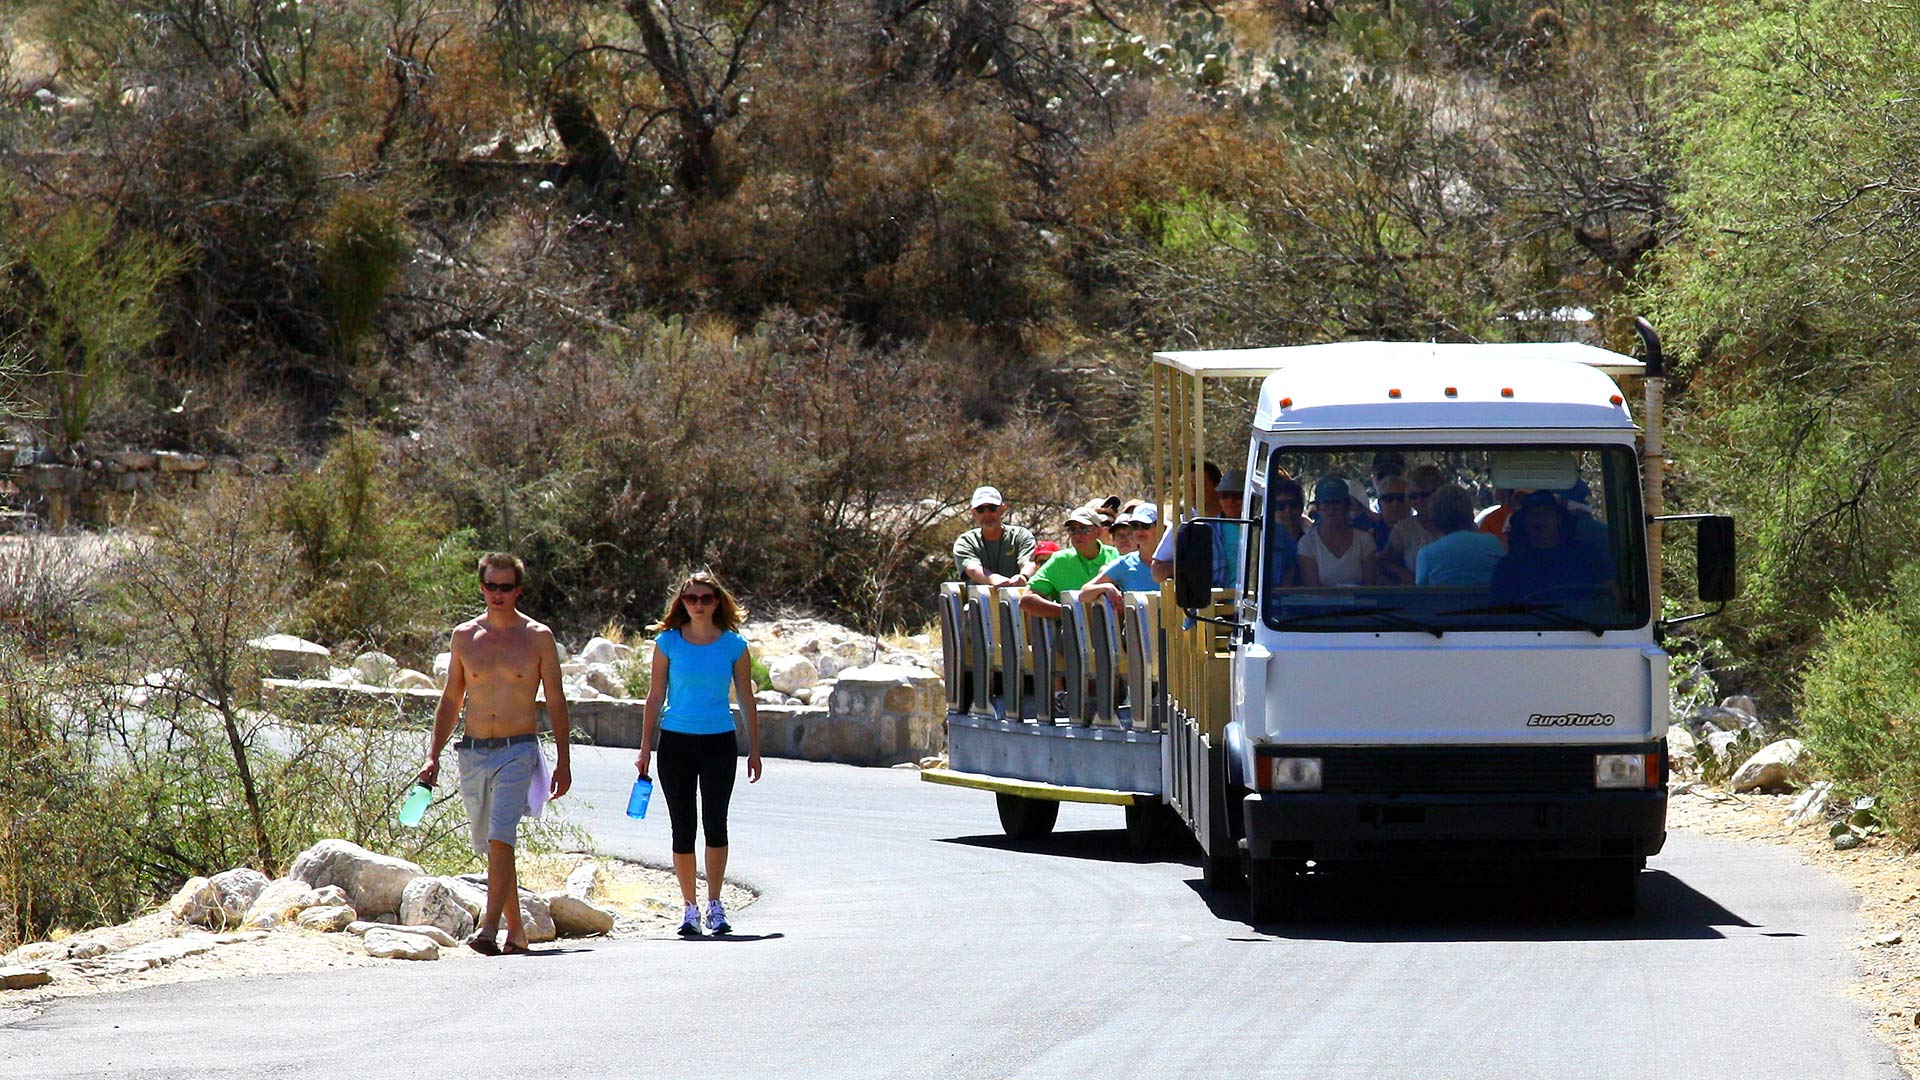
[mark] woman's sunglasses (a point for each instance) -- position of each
(700, 598)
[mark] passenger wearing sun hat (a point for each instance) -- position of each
(993, 552)
(1335, 551)
(1071, 567)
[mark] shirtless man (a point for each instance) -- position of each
(499, 660)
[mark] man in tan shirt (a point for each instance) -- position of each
(501, 659)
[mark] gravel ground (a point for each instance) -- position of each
(1885, 875)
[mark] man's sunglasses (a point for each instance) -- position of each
(1079, 528)
(1394, 496)
(495, 586)
(989, 508)
(701, 598)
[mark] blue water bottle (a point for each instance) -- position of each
(415, 807)
(637, 802)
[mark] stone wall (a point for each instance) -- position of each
(103, 490)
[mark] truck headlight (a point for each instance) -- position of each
(1624, 770)
(1290, 773)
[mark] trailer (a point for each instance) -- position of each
(1494, 705)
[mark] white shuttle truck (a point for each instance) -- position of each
(1502, 699)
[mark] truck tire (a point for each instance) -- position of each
(1222, 873)
(1614, 885)
(1154, 828)
(1022, 818)
(1273, 890)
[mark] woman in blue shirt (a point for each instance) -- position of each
(697, 656)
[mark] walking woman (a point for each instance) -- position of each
(696, 657)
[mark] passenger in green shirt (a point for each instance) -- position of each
(1071, 567)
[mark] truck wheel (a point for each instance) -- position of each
(1022, 818)
(1222, 873)
(1154, 828)
(1273, 890)
(1614, 885)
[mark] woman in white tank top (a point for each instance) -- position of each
(1334, 552)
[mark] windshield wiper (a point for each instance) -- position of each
(1385, 614)
(1549, 612)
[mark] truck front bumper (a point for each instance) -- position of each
(1337, 828)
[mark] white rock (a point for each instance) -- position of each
(770, 697)
(327, 919)
(442, 663)
(804, 695)
(194, 900)
(1723, 719)
(330, 896)
(281, 901)
(574, 917)
(562, 650)
(582, 692)
(1741, 703)
(372, 882)
(341, 676)
(236, 889)
(791, 702)
(430, 901)
(40, 952)
(622, 653)
(392, 945)
(790, 673)
(1772, 767)
(1811, 807)
(582, 880)
(1680, 745)
(375, 668)
(600, 651)
(87, 950)
(603, 677)
(409, 679)
(290, 657)
(573, 669)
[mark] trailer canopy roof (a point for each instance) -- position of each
(1357, 385)
(1260, 363)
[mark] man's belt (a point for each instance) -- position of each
(468, 742)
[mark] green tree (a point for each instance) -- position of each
(92, 301)
(1793, 299)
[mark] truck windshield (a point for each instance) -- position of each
(1449, 538)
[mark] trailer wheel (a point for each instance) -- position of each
(1022, 818)
(1154, 828)
(1273, 890)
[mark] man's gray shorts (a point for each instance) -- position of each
(493, 784)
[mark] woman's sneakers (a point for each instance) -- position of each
(690, 921)
(717, 918)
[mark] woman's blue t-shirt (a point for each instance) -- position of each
(698, 678)
(1131, 573)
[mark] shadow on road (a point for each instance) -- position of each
(1375, 909)
(1102, 845)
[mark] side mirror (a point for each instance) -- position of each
(1193, 566)
(1714, 550)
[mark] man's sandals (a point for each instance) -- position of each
(486, 946)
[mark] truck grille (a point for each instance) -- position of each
(1460, 770)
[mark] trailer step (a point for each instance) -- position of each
(1034, 789)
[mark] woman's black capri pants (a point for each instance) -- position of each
(708, 762)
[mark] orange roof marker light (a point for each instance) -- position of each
(1506, 391)
(1286, 403)
(1394, 393)
(1617, 400)
(1453, 391)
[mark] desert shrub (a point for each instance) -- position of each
(800, 463)
(1860, 702)
(47, 582)
(362, 247)
(376, 566)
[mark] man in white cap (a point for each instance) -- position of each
(993, 552)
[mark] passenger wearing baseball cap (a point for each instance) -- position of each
(993, 552)
(1071, 567)
(1226, 538)
(1546, 561)
(1132, 571)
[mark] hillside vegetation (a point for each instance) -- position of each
(627, 286)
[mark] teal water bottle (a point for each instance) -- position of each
(415, 807)
(637, 802)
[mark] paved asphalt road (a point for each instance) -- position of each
(899, 936)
